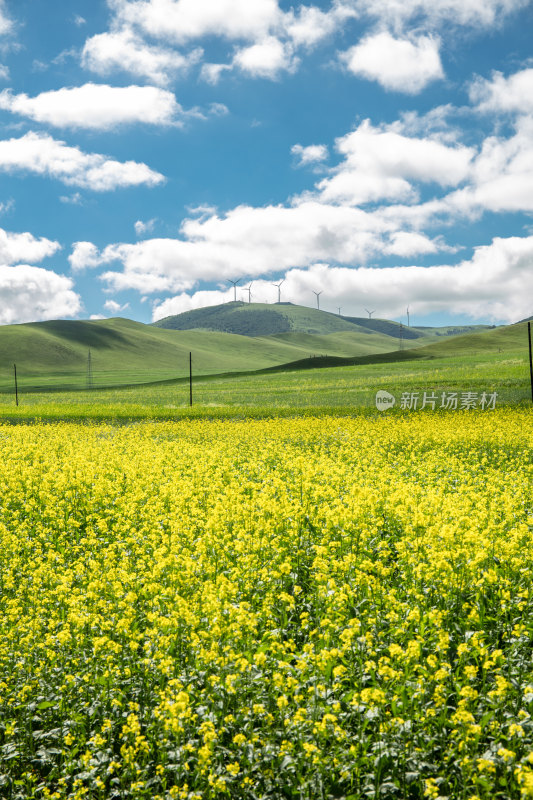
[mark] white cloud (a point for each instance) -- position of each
(123, 50)
(43, 155)
(18, 247)
(114, 308)
(144, 227)
(502, 175)
(512, 94)
(31, 293)
(6, 24)
(252, 241)
(97, 106)
(485, 13)
(79, 20)
(211, 73)
(311, 154)
(265, 59)
(182, 20)
(310, 25)
(84, 255)
(494, 284)
(380, 163)
(401, 65)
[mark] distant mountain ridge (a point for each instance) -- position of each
(261, 319)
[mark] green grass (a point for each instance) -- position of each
(290, 391)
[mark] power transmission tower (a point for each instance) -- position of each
(279, 289)
(318, 297)
(89, 380)
(234, 288)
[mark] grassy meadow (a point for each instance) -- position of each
(284, 391)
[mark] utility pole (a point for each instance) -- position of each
(318, 297)
(279, 289)
(234, 288)
(89, 380)
(16, 386)
(530, 359)
(190, 379)
(401, 336)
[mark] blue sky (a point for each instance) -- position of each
(377, 151)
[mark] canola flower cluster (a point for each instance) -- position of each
(310, 608)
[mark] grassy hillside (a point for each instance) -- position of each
(55, 353)
(261, 319)
(123, 351)
(257, 319)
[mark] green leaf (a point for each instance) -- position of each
(45, 704)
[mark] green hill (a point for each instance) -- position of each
(261, 319)
(56, 353)
(257, 319)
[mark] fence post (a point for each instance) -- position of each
(16, 385)
(190, 379)
(530, 360)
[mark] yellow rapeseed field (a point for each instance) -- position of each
(298, 608)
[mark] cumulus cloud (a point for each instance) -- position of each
(310, 25)
(183, 20)
(6, 24)
(18, 247)
(97, 106)
(502, 175)
(147, 37)
(84, 255)
(401, 65)
(43, 155)
(494, 284)
(266, 59)
(30, 293)
(114, 308)
(125, 51)
(381, 163)
(251, 241)
(456, 12)
(312, 154)
(513, 94)
(144, 227)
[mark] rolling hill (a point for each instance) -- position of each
(55, 354)
(261, 319)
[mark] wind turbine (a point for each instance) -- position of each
(279, 289)
(249, 290)
(234, 287)
(408, 317)
(369, 313)
(339, 310)
(317, 297)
